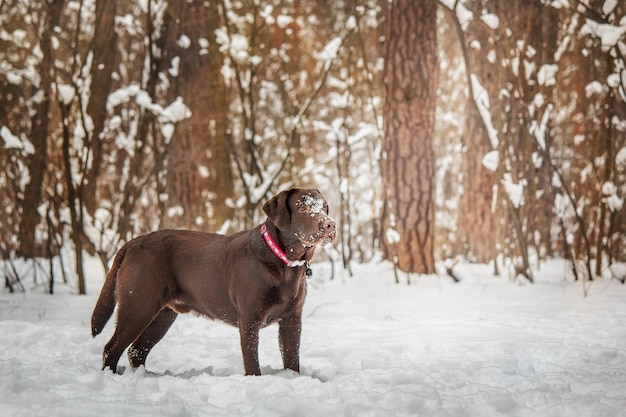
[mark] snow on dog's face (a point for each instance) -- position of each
(303, 214)
(313, 205)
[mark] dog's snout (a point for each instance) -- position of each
(328, 228)
(329, 224)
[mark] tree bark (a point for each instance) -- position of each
(101, 69)
(410, 87)
(37, 162)
(199, 177)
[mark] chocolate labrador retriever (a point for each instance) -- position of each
(249, 279)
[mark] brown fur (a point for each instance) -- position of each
(236, 279)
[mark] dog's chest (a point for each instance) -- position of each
(280, 301)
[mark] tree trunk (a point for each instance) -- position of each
(199, 177)
(39, 137)
(410, 87)
(102, 67)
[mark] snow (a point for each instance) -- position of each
(175, 111)
(66, 93)
(491, 160)
(184, 41)
(175, 67)
(236, 45)
(351, 23)
(463, 14)
(481, 98)
(491, 20)
(594, 87)
(331, 50)
(538, 130)
(609, 6)
(514, 190)
(283, 21)
(484, 347)
(314, 204)
(392, 236)
(547, 74)
(609, 34)
(12, 141)
(611, 199)
(620, 159)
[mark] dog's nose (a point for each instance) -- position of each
(329, 225)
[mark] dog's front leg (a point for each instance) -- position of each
(249, 334)
(289, 332)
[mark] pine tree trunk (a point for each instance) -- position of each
(37, 162)
(199, 175)
(410, 86)
(102, 67)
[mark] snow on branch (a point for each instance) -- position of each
(609, 34)
(611, 199)
(13, 142)
(481, 98)
(514, 190)
(175, 112)
(463, 14)
(538, 130)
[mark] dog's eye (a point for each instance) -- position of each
(302, 208)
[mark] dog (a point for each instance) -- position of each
(250, 280)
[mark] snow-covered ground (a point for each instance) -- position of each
(483, 347)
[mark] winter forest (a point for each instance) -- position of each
(474, 130)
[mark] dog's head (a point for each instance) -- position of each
(303, 214)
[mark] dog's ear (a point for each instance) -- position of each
(277, 209)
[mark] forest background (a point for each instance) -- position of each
(438, 130)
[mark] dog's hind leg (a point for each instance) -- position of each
(132, 319)
(140, 348)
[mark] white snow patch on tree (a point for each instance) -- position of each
(283, 21)
(594, 87)
(491, 160)
(539, 129)
(491, 20)
(13, 142)
(238, 48)
(392, 236)
(611, 199)
(578, 139)
(620, 159)
(331, 50)
(175, 66)
(481, 98)
(167, 130)
(204, 46)
(613, 80)
(609, 6)
(14, 78)
(184, 41)
(175, 112)
(351, 23)
(514, 190)
(609, 34)
(169, 116)
(175, 211)
(203, 171)
(547, 74)
(463, 14)
(66, 93)
(10, 140)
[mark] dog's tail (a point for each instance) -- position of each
(103, 310)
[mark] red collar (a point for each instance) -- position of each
(276, 249)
